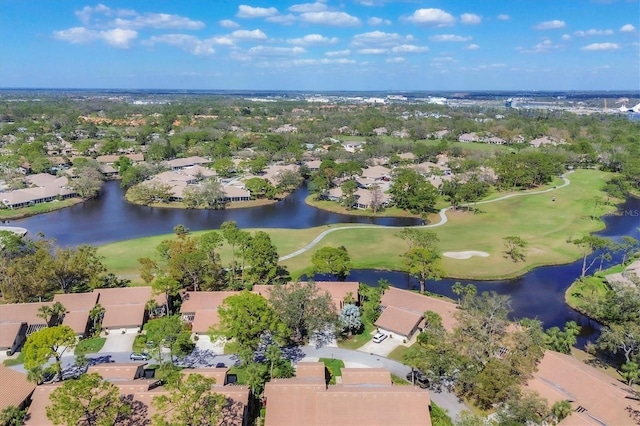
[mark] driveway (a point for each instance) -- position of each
(204, 343)
(118, 342)
(383, 348)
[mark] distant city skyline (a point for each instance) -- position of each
(323, 45)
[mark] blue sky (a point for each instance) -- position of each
(322, 45)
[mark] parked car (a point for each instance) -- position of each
(418, 378)
(221, 365)
(379, 337)
(139, 356)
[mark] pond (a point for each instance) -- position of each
(537, 294)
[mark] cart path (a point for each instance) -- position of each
(442, 221)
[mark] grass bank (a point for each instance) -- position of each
(546, 221)
(8, 214)
(89, 346)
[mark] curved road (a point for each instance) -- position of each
(442, 221)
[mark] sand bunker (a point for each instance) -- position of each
(468, 254)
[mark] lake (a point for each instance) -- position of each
(537, 294)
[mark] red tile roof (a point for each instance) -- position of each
(419, 304)
(563, 377)
(14, 387)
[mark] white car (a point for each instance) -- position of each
(379, 337)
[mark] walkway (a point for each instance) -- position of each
(442, 221)
(445, 399)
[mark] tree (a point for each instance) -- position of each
(208, 194)
(262, 258)
(245, 317)
(630, 372)
(331, 260)
(349, 188)
(169, 332)
(303, 308)
(191, 402)
(231, 233)
(350, 319)
(96, 314)
(12, 416)
(588, 245)
(260, 188)
(410, 191)
(419, 238)
(628, 246)
(88, 400)
(224, 167)
(255, 376)
(73, 269)
(88, 182)
(561, 410)
(523, 408)
(166, 285)
(514, 248)
(425, 264)
(289, 180)
(562, 341)
(376, 198)
(624, 337)
(46, 343)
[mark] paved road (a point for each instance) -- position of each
(445, 399)
(442, 221)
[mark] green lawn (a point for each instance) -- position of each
(37, 209)
(89, 346)
(590, 287)
(19, 359)
(357, 340)
(334, 366)
(546, 221)
(396, 380)
(398, 353)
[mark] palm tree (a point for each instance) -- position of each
(45, 312)
(561, 409)
(58, 310)
(96, 314)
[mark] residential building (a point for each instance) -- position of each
(364, 397)
(403, 312)
(595, 397)
(17, 322)
(15, 389)
(125, 308)
(77, 306)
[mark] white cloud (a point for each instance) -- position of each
(322, 61)
(600, 47)
(287, 19)
(628, 28)
(275, 51)
(243, 35)
(566, 37)
(371, 51)
(409, 48)
(431, 17)
(449, 37)
(245, 11)
(396, 60)
(185, 42)
(336, 19)
(593, 32)
(308, 7)
(87, 13)
(345, 52)
(550, 25)
(228, 23)
(117, 37)
(378, 38)
(542, 47)
(503, 17)
(373, 21)
(472, 47)
(313, 40)
(160, 21)
(470, 18)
